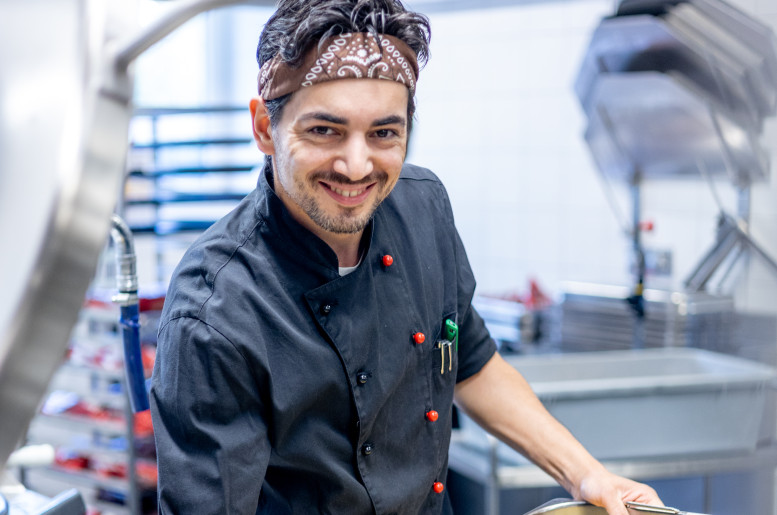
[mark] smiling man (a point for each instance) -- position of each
(335, 164)
(314, 340)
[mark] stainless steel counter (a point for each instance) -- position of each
(468, 459)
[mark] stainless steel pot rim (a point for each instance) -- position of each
(567, 507)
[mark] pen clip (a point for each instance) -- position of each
(442, 345)
(451, 332)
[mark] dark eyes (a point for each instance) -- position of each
(385, 133)
(322, 130)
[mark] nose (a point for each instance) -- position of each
(354, 159)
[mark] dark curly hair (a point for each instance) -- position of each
(297, 25)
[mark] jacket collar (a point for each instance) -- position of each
(296, 241)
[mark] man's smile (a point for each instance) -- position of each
(348, 196)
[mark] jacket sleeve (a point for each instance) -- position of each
(211, 436)
(475, 345)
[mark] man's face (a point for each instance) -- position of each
(338, 151)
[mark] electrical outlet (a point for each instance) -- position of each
(658, 262)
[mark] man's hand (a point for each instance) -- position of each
(611, 492)
(501, 401)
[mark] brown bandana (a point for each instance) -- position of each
(347, 56)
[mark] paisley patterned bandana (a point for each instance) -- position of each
(347, 56)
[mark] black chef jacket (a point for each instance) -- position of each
(282, 387)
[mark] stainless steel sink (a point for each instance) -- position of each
(651, 402)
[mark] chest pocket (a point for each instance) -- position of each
(444, 359)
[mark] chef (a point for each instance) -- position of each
(314, 340)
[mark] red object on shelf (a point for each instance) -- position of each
(151, 303)
(145, 303)
(148, 356)
(147, 472)
(537, 299)
(118, 470)
(143, 426)
(82, 409)
(71, 461)
(92, 302)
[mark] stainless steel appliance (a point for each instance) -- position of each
(65, 103)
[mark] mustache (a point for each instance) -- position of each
(338, 178)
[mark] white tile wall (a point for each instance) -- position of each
(765, 8)
(542, 206)
(498, 121)
(532, 204)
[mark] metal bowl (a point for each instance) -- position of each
(568, 508)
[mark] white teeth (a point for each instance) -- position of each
(346, 193)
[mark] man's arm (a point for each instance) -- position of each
(212, 446)
(499, 399)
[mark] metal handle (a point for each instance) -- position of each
(130, 50)
(646, 508)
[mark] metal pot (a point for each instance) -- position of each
(567, 507)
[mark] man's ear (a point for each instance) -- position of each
(262, 129)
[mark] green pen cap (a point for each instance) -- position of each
(450, 330)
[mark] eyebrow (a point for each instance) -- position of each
(389, 120)
(324, 117)
(338, 120)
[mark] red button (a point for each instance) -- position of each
(438, 487)
(432, 416)
(419, 338)
(388, 260)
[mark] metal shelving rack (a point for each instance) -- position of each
(96, 450)
(187, 167)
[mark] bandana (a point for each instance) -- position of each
(347, 56)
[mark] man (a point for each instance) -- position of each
(314, 339)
